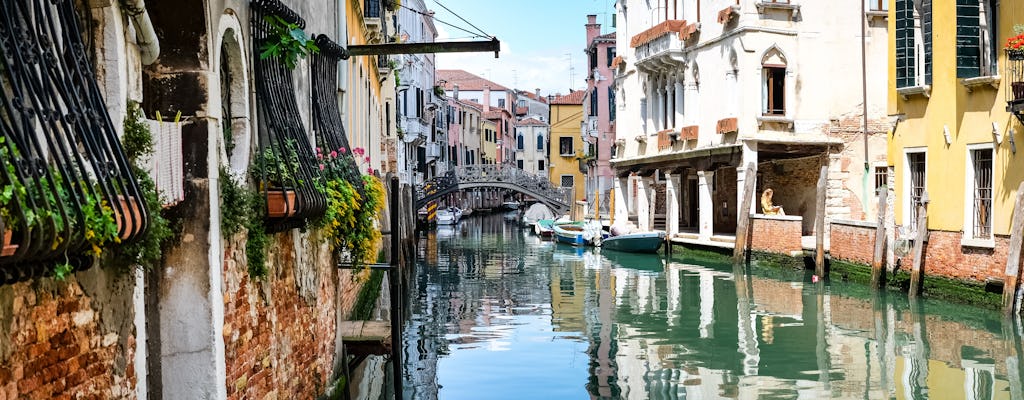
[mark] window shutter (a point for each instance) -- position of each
(926, 30)
(905, 57)
(968, 39)
(611, 104)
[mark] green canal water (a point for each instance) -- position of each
(497, 313)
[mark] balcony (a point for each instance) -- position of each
(662, 44)
(433, 150)
(589, 128)
(1015, 76)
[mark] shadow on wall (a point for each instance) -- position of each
(795, 184)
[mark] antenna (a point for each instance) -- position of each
(571, 71)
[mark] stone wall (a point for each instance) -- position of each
(279, 333)
(852, 241)
(775, 234)
(75, 337)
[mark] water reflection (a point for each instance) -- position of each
(500, 314)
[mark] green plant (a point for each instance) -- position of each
(138, 142)
(286, 41)
(274, 170)
(439, 91)
(243, 209)
(353, 204)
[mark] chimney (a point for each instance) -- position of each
(537, 92)
(455, 91)
(593, 29)
(487, 98)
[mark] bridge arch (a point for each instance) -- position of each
(494, 176)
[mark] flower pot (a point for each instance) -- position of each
(129, 224)
(8, 249)
(281, 203)
(1018, 90)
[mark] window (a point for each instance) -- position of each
(540, 165)
(916, 166)
(773, 90)
(877, 5)
(519, 142)
(913, 43)
(567, 181)
(976, 36)
(565, 146)
(881, 178)
(979, 180)
(501, 103)
(611, 104)
(611, 54)
(593, 102)
(519, 163)
(540, 142)
(522, 103)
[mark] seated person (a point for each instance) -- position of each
(766, 204)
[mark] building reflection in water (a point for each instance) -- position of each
(503, 313)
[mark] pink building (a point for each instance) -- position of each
(598, 128)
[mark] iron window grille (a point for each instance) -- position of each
(330, 129)
(881, 177)
(917, 182)
(58, 147)
(982, 216)
(1015, 75)
(285, 167)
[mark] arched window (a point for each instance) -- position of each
(773, 83)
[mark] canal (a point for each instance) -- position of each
(497, 313)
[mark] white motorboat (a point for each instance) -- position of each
(449, 216)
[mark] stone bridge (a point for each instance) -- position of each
(495, 176)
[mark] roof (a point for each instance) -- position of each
(531, 122)
(607, 36)
(522, 110)
(472, 104)
(533, 96)
(465, 80)
(574, 98)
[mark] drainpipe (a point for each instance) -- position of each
(145, 36)
(864, 94)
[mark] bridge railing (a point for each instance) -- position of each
(496, 173)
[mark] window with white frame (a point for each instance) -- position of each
(976, 36)
(877, 5)
(915, 185)
(773, 90)
(913, 43)
(978, 224)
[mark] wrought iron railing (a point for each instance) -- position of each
(498, 175)
(330, 129)
(68, 189)
(285, 167)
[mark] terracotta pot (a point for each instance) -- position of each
(8, 249)
(1018, 90)
(132, 221)
(281, 203)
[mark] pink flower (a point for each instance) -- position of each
(334, 154)
(342, 150)
(358, 151)
(369, 171)
(318, 150)
(321, 167)
(367, 158)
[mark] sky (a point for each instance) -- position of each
(537, 38)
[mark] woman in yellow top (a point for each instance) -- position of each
(766, 204)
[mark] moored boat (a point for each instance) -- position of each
(639, 242)
(543, 228)
(578, 233)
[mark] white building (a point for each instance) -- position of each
(417, 100)
(532, 146)
(706, 88)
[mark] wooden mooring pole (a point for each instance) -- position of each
(922, 236)
(1011, 280)
(819, 220)
(739, 254)
(395, 288)
(878, 261)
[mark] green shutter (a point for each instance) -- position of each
(926, 31)
(968, 39)
(905, 61)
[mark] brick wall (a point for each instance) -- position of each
(852, 241)
(279, 333)
(69, 339)
(945, 256)
(780, 235)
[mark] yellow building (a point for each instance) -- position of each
(367, 85)
(954, 140)
(488, 141)
(566, 117)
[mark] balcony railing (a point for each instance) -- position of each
(664, 38)
(1015, 76)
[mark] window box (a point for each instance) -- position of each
(727, 125)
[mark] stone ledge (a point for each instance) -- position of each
(777, 217)
(849, 222)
